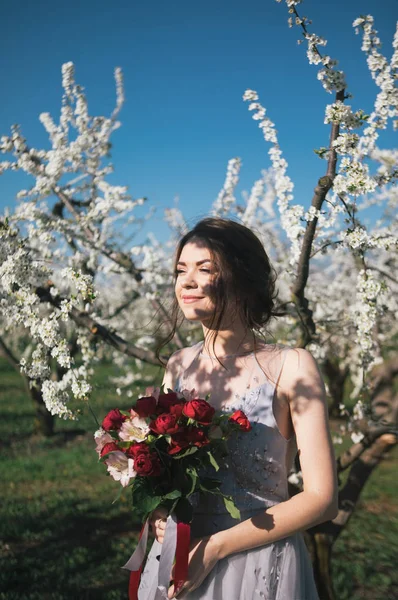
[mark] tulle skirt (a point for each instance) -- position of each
(278, 571)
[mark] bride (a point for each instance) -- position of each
(224, 280)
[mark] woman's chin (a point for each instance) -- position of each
(195, 314)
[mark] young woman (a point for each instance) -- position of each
(224, 280)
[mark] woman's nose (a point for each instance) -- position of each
(189, 282)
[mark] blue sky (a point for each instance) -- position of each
(186, 66)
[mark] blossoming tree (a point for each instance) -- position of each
(74, 286)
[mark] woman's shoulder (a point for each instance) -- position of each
(184, 356)
(178, 362)
(299, 371)
(287, 364)
(284, 352)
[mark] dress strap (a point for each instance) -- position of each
(283, 354)
(273, 374)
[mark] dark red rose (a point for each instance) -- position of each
(200, 410)
(177, 444)
(198, 437)
(113, 420)
(136, 449)
(109, 447)
(166, 401)
(147, 465)
(188, 437)
(165, 424)
(176, 409)
(240, 419)
(145, 407)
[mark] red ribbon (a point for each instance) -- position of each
(134, 584)
(182, 555)
(135, 577)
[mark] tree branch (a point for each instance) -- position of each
(298, 289)
(120, 258)
(113, 339)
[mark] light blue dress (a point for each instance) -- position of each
(256, 477)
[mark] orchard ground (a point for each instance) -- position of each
(62, 538)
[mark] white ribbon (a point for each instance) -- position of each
(167, 558)
(136, 559)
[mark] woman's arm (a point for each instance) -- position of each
(302, 385)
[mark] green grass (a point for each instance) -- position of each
(62, 538)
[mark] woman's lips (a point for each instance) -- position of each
(191, 299)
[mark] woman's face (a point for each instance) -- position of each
(194, 281)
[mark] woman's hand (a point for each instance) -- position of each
(203, 556)
(158, 523)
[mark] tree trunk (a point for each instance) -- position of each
(336, 378)
(362, 458)
(320, 547)
(44, 421)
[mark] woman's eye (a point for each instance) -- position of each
(204, 271)
(179, 272)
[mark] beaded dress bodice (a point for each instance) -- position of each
(255, 472)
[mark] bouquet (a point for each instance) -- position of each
(166, 448)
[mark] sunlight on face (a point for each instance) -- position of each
(194, 277)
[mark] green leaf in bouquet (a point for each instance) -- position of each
(172, 495)
(187, 452)
(193, 475)
(208, 484)
(147, 504)
(213, 461)
(184, 510)
(126, 413)
(124, 444)
(118, 495)
(230, 506)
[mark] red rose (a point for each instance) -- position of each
(136, 449)
(178, 442)
(198, 437)
(147, 465)
(113, 420)
(199, 410)
(145, 406)
(109, 447)
(188, 437)
(240, 419)
(166, 401)
(176, 409)
(165, 424)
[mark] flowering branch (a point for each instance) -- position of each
(83, 319)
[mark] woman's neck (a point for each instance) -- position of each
(228, 341)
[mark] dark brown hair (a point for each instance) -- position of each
(245, 280)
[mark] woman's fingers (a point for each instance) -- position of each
(159, 513)
(179, 594)
(158, 523)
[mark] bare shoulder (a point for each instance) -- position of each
(300, 374)
(177, 363)
(183, 356)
